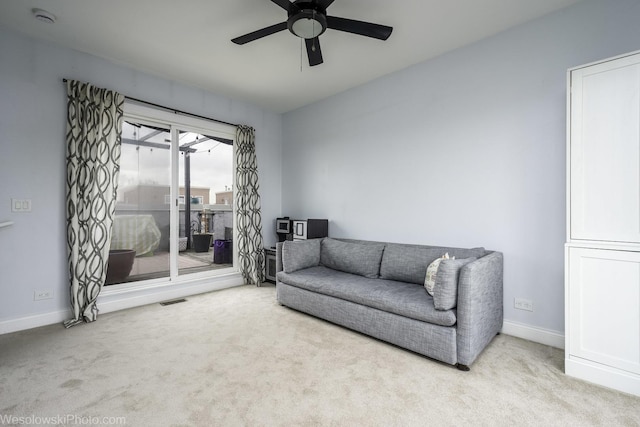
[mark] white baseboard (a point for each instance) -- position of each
(110, 303)
(35, 321)
(531, 333)
(602, 375)
(114, 302)
(120, 301)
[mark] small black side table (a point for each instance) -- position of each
(270, 264)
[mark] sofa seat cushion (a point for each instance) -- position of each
(401, 298)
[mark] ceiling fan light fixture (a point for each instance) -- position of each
(307, 19)
(43, 16)
(307, 24)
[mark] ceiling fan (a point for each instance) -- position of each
(308, 19)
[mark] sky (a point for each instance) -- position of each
(211, 164)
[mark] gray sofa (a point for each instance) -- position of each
(378, 289)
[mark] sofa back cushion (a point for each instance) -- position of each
(350, 257)
(408, 263)
(299, 254)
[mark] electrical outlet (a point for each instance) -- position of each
(523, 304)
(42, 294)
(20, 205)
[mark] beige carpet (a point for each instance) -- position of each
(235, 357)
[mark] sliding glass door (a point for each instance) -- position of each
(174, 211)
(206, 200)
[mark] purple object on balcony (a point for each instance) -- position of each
(223, 252)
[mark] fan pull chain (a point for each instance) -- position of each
(313, 46)
(301, 52)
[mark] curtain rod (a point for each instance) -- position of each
(173, 109)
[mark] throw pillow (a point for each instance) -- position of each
(355, 258)
(299, 254)
(445, 291)
(432, 270)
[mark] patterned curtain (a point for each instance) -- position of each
(249, 220)
(94, 127)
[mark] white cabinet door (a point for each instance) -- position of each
(605, 151)
(604, 307)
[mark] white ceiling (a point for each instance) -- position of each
(189, 40)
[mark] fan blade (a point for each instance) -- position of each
(260, 33)
(313, 51)
(283, 4)
(368, 29)
(324, 4)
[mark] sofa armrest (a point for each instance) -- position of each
(480, 306)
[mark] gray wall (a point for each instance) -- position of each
(467, 150)
(32, 158)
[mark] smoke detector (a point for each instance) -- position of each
(44, 16)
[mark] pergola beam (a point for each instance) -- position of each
(155, 145)
(151, 135)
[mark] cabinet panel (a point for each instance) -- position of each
(604, 314)
(605, 151)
